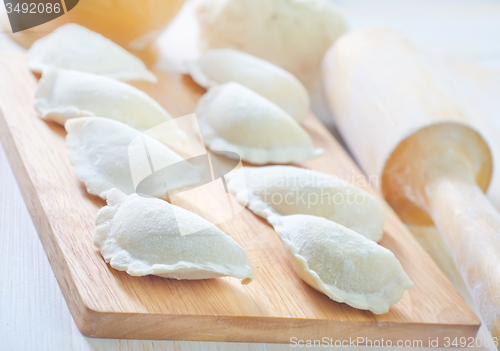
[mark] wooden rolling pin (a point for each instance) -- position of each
(433, 166)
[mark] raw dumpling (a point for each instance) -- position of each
(272, 82)
(107, 154)
(293, 34)
(145, 236)
(342, 264)
(234, 118)
(63, 94)
(75, 47)
(287, 190)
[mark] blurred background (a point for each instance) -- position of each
(462, 38)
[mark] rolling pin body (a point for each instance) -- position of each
(401, 125)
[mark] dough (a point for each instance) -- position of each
(220, 66)
(107, 154)
(64, 94)
(234, 118)
(145, 236)
(293, 34)
(75, 47)
(342, 264)
(287, 190)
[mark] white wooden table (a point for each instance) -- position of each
(33, 313)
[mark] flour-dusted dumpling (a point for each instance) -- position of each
(341, 263)
(288, 190)
(63, 94)
(75, 47)
(145, 236)
(293, 34)
(237, 119)
(220, 66)
(107, 154)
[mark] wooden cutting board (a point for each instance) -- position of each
(275, 307)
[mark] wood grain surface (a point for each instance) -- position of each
(273, 308)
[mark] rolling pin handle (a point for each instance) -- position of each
(471, 226)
